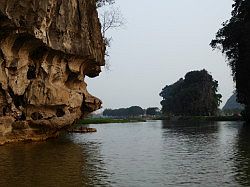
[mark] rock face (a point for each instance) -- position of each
(232, 104)
(46, 49)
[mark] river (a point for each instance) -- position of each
(153, 153)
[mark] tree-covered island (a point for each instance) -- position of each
(195, 95)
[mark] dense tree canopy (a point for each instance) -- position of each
(233, 39)
(132, 111)
(152, 111)
(194, 95)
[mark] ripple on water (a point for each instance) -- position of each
(154, 153)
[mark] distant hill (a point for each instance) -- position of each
(232, 104)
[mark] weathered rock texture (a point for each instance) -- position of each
(46, 49)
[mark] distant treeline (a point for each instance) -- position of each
(133, 111)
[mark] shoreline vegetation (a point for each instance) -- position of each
(109, 120)
(88, 121)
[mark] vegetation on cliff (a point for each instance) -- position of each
(195, 95)
(110, 18)
(100, 3)
(233, 39)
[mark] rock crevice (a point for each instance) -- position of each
(46, 50)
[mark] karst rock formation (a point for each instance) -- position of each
(47, 47)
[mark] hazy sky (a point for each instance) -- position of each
(161, 42)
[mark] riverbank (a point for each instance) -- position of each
(176, 118)
(108, 120)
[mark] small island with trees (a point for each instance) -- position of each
(195, 95)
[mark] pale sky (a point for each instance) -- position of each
(161, 42)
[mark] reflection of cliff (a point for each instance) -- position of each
(54, 163)
(46, 49)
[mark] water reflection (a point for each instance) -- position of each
(200, 151)
(191, 127)
(53, 163)
(242, 156)
(193, 135)
(153, 153)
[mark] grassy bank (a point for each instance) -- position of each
(179, 118)
(108, 120)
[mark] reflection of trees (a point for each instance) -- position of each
(191, 137)
(190, 128)
(206, 152)
(191, 149)
(52, 163)
(242, 157)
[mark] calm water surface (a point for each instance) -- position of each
(153, 153)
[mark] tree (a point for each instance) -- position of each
(233, 39)
(132, 111)
(110, 18)
(135, 111)
(121, 112)
(152, 111)
(196, 95)
(101, 3)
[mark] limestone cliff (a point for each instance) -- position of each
(46, 49)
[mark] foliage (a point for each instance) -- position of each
(100, 3)
(110, 18)
(152, 111)
(132, 111)
(194, 95)
(233, 39)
